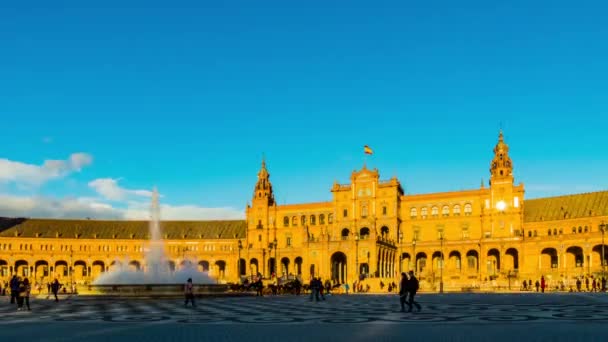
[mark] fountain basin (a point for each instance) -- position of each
(161, 290)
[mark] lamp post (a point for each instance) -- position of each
(270, 267)
(400, 254)
(414, 256)
(441, 268)
(368, 265)
(276, 262)
(603, 227)
(238, 262)
(357, 254)
(263, 262)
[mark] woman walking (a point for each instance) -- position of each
(26, 294)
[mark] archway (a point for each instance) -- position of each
(80, 269)
(61, 268)
(575, 257)
(4, 271)
(364, 233)
(548, 258)
(134, 265)
(472, 260)
(253, 267)
(203, 266)
(345, 233)
(22, 268)
(221, 268)
(271, 267)
(284, 266)
(338, 267)
(384, 232)
(455, 262)
(512, 259)
(597, 255)
(298, 262)
(41, 269)
(98, 268)
(493, 261)
(420, 262)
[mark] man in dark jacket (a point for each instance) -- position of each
(55, 288)
(403, 290)
(412, 288)
(14, 285)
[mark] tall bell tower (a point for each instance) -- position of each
(262, 212)
(504, 203)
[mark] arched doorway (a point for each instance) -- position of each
(203, 266)
(221, 268)
(22, 268)
(80, 269)
(345, 233)
(298, 263)
(455, 261)
(242, 267)
(406, 262)
(472, 260)
(134, 265)
(597, 255)
(512, 259)
(284, 266)
(253, 267)
(4, 272)
(41, 269)
(384, 232)
(493, 261)
(420, 262)
(272, 267)
(364, 233)
(574, 256)
(338, 267)
(548, 258)
(98, 268)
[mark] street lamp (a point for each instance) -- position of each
(368, 264)
(400, 254)
(441, 268)
(276, 262)
(414, 256)
(603, 228)
(357, 254)
(238, 263)
(270, 267)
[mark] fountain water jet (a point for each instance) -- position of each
(156, 270)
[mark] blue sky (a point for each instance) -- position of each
(189, 97)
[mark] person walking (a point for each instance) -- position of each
(578, 284)
(189, 293)
(587, 283)
(402, 291)
(412, 287)
(55, 288)
(25, 293)
(14, 285)
(314, 289)
(542, 284)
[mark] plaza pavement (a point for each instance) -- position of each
(447, 317)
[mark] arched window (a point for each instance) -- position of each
(580, 229)
(586, 229)
(330, 218)
(413, 212)
(549, 232)
(313, 221)
(424, 212)
(535, 233)
(468, 209)
(456, 210)
(322, 219)
(529, 233)
(345, 233)
(285, 221)
(294, 221)
(435, 211)
(554, 231)
(445, 211)
(573, 230)
(303, 220)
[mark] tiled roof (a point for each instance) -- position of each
(87, 229)
(566, 207)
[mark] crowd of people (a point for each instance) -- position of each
(20, 289)
(592, 284)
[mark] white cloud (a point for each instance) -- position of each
(110, 190)
(30, 174)
(83, 207)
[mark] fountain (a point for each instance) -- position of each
(156, 277)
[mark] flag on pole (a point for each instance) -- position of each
(367, 150)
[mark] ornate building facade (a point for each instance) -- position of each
(490, 236)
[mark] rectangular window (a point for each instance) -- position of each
(384, 211)
(288, 242)
(345, 213)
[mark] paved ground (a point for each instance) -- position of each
(449, 317)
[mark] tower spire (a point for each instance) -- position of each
(263, 187)
(501, 166)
